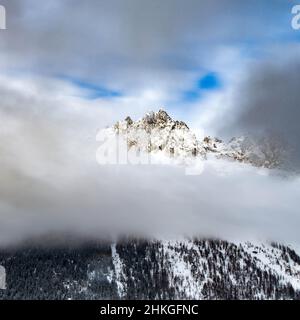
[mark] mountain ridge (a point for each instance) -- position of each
(157, 133)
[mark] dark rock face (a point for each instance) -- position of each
(160, 118)
(139, 269)
(163, 116)
(129, 121)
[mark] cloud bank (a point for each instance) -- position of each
(136, 55)
(51, 183)
(135, 45)
(266, 104)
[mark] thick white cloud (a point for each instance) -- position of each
(151, 51)
(51, 182)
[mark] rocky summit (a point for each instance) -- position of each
(158, 133)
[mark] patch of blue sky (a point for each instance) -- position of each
(90, 90)
(208, 82)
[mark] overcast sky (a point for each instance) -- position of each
(68, 68)
(157, 52)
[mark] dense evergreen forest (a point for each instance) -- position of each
(140, 269)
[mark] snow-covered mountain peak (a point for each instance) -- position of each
(157, 132)
(160, 135)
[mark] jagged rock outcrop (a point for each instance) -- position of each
(157, 133)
